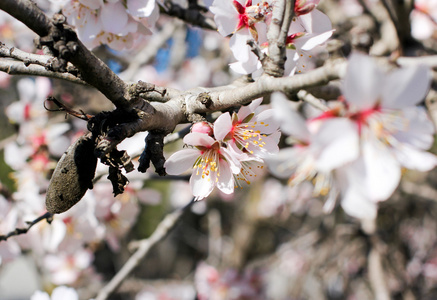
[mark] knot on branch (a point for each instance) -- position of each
(62, 42)
(205, 99)
(153, 152)
(144, 87)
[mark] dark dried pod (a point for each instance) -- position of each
(73, 175)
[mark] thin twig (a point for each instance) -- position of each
(13, 67)
(143, 247)
(307, 97)
(47, 216)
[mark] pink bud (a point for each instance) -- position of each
(303, 7)
(202, 127)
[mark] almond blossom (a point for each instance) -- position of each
(213, 165)
(245, 20)
(118, 24)
(393, 131)
(255, 134)
(309, 29)
(307, 32)
(359, 150)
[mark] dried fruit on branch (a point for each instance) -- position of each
(73, 175)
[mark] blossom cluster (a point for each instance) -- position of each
(118, 24)
(249, 20)
(359, 147)
(228, 153)
(64, 248)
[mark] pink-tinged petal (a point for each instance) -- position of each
(266, 122)
(222, 126)
(382, 172)
(291, 122)
(362, 84)
(415, 159)
(248, 109)
(232, 159)
(199, 139)
(337, 143)
(113, 17)
(419, 131)
(315, 22)
(225, 16)
(406, 87)
(225, 181)
(181, 161)
(201, 185)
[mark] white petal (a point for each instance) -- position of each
(246, 110)
(181, 161)
(406, 87)
(315, 22)
(419, 130)
(291, 122)
(362, 84)
(284, 163)
(201, 187)
(247, 67)
(113, 17)
(225, 16)
(308, 42)
(382, 171)
(232, 159)
(337, 143)
(198, 139)
(238, 45)
(356, 205)
(415, 159)
(139, 9)
(225, 181)
(222, 126)
(271, 124)
(38, 295)
(64, 293)
(353, 199)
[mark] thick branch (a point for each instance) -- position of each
(192, 15)
(93, 70)
(277, 36)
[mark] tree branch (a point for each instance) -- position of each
(143, 247)
(277, 36)
(191, 15)
(14, 67)
(92, 70)
(47, 216)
